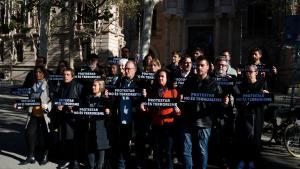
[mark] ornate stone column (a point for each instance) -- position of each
(167, 35)
(179, 32)
(217, 35)
(180, 27)
(230, 27)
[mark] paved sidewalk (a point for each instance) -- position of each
(12, 142)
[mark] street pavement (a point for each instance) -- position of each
(12, 140)
(13, 149)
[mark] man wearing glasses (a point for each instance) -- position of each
(230, 71)
(127, 107)
(224, 124)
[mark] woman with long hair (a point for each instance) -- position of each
(37, 128)
(163, 119)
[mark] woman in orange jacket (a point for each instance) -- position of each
(163, 118)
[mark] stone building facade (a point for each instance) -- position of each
(214, 25)
(19, 50)
(181, 25)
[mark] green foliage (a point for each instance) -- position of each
(94, 10)
(25, 29)
(129, 7)
(106, 15)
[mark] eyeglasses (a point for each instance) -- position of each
(128, 68)
(223, 65)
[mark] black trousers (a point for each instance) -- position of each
(37, 134)
(249, 129)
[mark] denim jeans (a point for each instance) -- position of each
(195, 146)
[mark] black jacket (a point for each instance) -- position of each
(67, 121)
(97, 127)
(135, 102)
(200, 113)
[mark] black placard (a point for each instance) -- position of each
(223, 81)
(125, 92)
(28, 102)
(114, 60)
(255, 97)
(108, 82)
(66, 102)
(146, 76)
(89, 111)
(180, 81)
(203, 97)
(20, 91)
(56, 77)
(260, 68)
(87, 75)
(160, 102)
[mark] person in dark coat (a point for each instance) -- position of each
(92, 66)
(197, 117)
(174, 66)
(127, 107)
(68, 125)
(266, 72)
(55, 83)
(249, 120)
(97, 127)
(223, 130)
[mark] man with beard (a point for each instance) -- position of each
(224, 121)
(197, 116)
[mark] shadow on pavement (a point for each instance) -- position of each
(11, 156)
(12, 123)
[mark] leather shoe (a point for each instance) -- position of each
(63, 165)
(44, 159)
(29, 160)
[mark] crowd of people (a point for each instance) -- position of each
(178, 111)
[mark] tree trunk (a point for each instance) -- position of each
(148, 7)
(44, 28)
(72, 13)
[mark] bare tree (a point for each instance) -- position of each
(148, 6)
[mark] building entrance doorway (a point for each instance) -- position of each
(201, 36)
